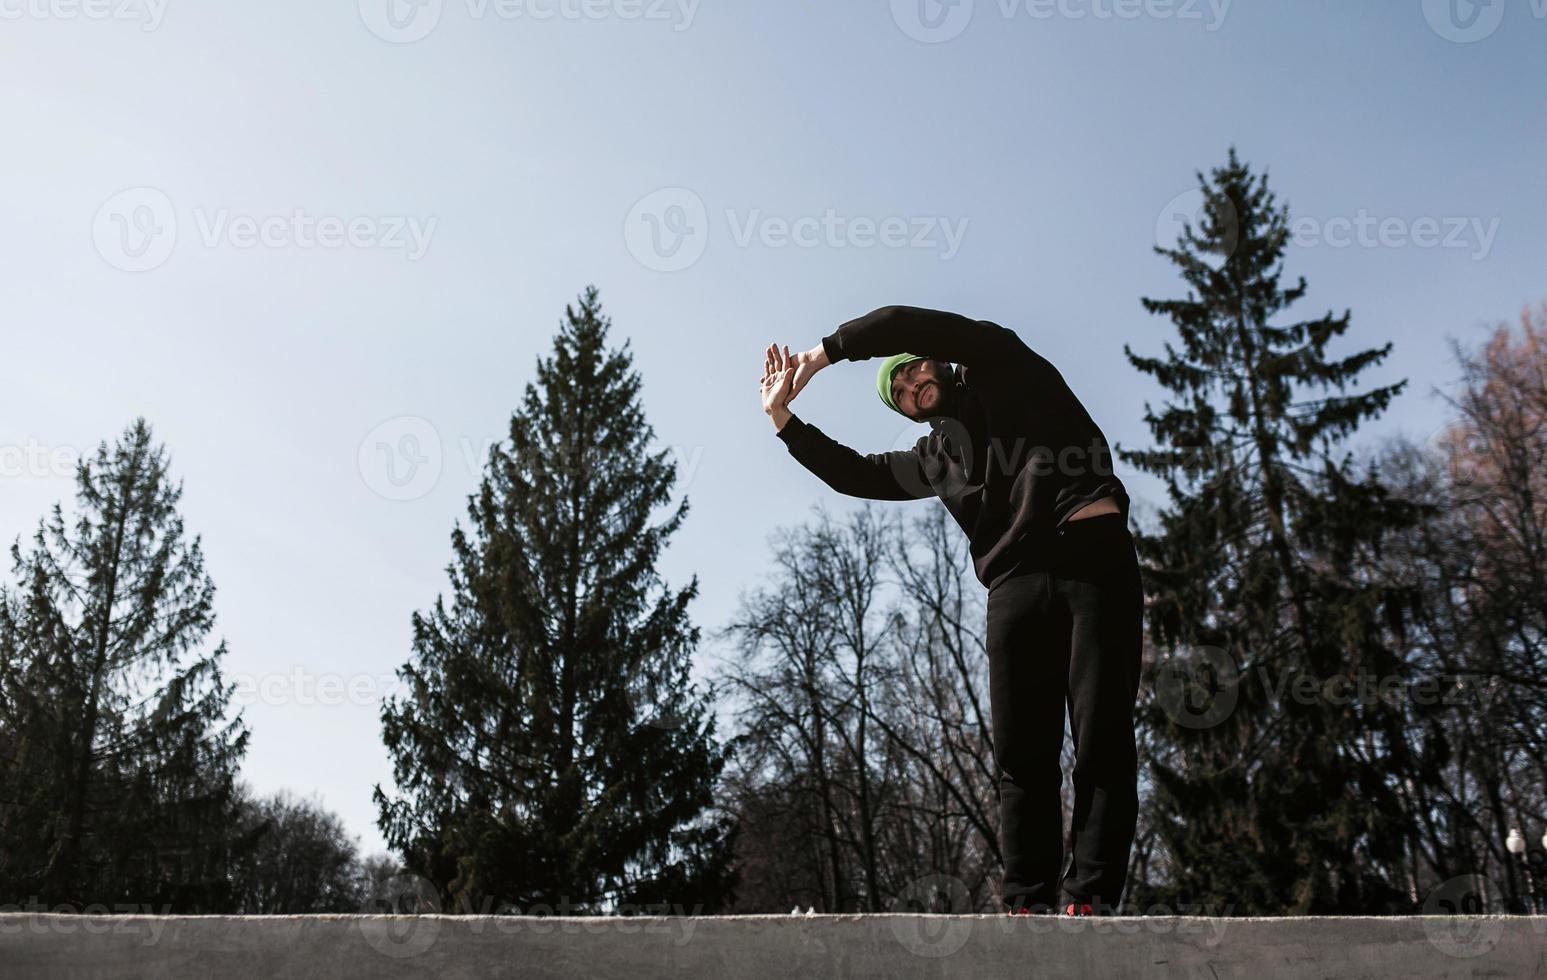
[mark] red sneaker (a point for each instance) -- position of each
(1079, 908)
(1031, 910)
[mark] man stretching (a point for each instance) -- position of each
(1024, 470)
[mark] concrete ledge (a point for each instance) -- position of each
(783, 947)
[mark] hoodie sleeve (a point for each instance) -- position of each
(876, 476)
(931, 333)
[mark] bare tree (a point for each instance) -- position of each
(936, 713)
(1478, 571)
(865, 775)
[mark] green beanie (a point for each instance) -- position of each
(884, 377)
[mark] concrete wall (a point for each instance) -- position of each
(787, 947)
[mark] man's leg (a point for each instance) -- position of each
(1101, 583)
(1028, 665)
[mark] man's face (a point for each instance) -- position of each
(920, 388)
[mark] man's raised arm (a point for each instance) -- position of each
(877, 476)
(929, 333)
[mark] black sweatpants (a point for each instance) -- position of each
(1068, 633)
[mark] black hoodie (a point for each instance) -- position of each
(1015, 457)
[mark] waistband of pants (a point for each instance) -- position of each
(1107, 535)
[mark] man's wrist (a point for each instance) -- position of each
(780, 417)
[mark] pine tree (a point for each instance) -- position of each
(549, 748)
(117, 763)
(1286, 802)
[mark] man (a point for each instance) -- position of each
(1024, 470)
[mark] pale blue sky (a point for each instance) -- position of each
(211, 213)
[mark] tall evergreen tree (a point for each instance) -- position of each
(117, 763)
(1285, 803)
(549, 748)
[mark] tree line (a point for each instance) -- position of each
(1341, 710)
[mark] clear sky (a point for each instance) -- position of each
(313, 242)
